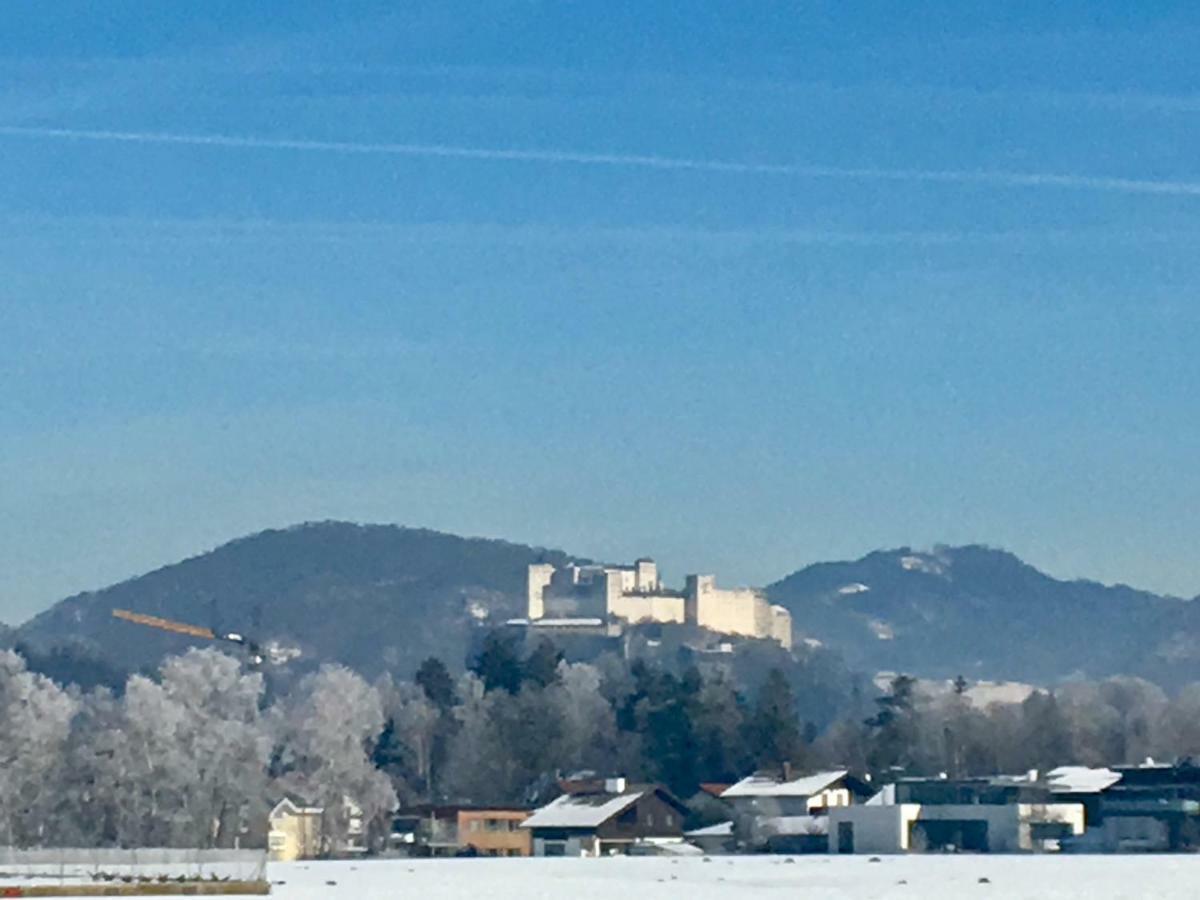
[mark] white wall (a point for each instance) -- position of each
(886, 829)
(648, 608)
(877, 829)
(738, 611)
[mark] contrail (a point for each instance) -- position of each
(625, 160)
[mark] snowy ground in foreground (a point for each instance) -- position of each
(824, 877)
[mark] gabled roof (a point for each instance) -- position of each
(770, 786)
(296, 806)
(582, 810)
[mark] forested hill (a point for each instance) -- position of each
(370, 596)
(984, 613)
(384, 598)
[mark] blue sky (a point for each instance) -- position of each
(742, 286)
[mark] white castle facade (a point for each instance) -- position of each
(636, 594)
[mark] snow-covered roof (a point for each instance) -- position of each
(1081, 779)
(721, 829)
(650, 847)
(581, 810)
(769, 786)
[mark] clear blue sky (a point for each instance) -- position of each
(741, 286)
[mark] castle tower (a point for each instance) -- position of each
(537, 580)
(646, 577)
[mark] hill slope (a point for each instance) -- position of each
(986, 614)
(381, 598)
(374, 597)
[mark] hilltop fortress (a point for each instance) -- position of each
(635, 594)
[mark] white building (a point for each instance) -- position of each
(636, 594)
(1002, 815)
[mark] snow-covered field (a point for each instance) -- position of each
(826, 878)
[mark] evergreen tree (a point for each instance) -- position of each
(435, 680)
(541, 667)
(719, 722)
(894, 728)
(664, 719)
(498, 665)
(775, 724)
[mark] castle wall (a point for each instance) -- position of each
(634, 593)
(740, 611)
(649, 608)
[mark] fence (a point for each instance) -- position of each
(144, 865)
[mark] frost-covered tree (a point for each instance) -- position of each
(35, 721)
(180, 761)
(326, 733)
(406, 747)
(588, 724)
(227, 742)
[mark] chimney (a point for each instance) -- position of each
(614, 785)
(787, 771)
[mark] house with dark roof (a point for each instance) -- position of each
(1152, 807)
(613, 819)
(994, 814)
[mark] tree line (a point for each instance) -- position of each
(195, 754)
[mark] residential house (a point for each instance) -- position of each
(612, 819)
(453, 830)
(294, 830)
(782, 813)
(297, 830)
(1003, 814)
(1151, 807)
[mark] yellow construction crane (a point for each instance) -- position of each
(271, 651)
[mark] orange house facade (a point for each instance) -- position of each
(453, 830)
(494, 832)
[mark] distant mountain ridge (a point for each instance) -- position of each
(984, 613)
(383, 597)
(374, 597)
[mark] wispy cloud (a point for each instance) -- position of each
(992, 178)
(72, 230)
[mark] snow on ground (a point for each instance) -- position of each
(824, 877)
